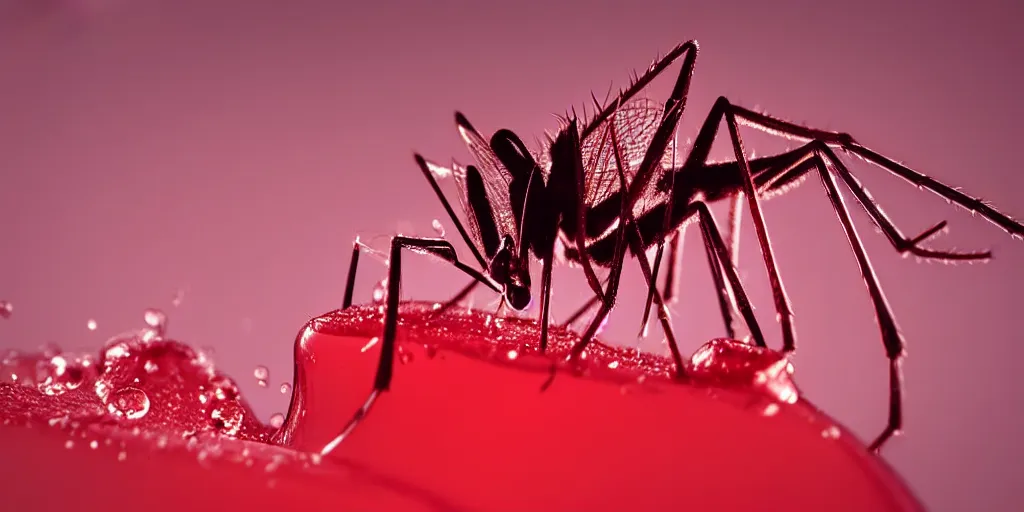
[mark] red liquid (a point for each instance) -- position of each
(464, 427)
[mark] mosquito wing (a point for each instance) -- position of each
(635, 124)
(496, 178)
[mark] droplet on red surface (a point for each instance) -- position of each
(6, 309)
(156, 320)
(380, 291)
(277, 420)
(129, 403)
(150, 384)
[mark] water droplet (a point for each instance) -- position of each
(831, 432)
(57, 375)
(733, 363)
(156, 320)
(262, 374)
(69, 444)
(129, 403)
(286, 388)
(277, 420)
(404, 356)
(94, 444)
(121, 456)
(512, 354)
(373, 341)
(380, 291)
(438, 228)
(6, 308)
(178, 297)
(227, 418)
(91, 325)
(771, 409)
(613, 365)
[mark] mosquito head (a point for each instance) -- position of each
(518, 296)
(512, 273)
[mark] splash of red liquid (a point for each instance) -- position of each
(463, 428)
(154, 385)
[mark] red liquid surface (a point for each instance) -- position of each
(149, 423)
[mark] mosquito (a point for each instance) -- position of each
(515, 207)
(495, 230)
(646, 127)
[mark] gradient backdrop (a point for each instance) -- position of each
(227, 153)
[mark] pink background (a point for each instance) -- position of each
(233, 150)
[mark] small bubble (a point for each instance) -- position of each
(404, 356)
(130, 403)
(178, 297)
(94, 444)
(512, 354)
(6, 308)
(380, 291)
(69, 444)
(771, 409)
(277, 420)
(831, 432)
(227, 418)
(286, 388)
(156, 320)
(121, 456)
(91, 325)
(438, 227)
(262, 374)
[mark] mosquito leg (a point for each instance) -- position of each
(775, 125)
(674, 107)
(350, 283)
(616, 266)
(718, 257)
(545, 304)
(735, 219)
(891, 337)
(652, 287)
(636, 246)
(785, 169)
(821, 157)
(782, 304)
(385, 367)
(670, 289)
(717, 265)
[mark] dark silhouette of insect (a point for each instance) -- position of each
(514, 206)
(670, 198)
